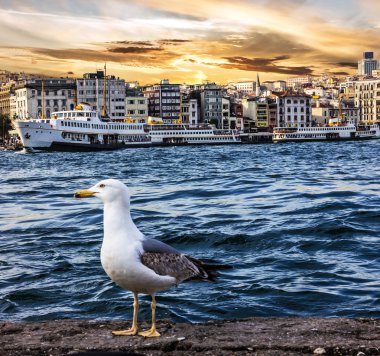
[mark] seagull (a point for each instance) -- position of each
(135, 262)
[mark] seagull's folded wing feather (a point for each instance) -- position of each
(167, 261)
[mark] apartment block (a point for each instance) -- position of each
(90, 89)
(164, 101)
(190, 112)
(6, 90)
(367, 99)
(293, 109)
(136, 107)
(211, 104)
(59, 94)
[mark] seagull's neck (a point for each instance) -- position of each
(118, 223)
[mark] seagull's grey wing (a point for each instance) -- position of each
(167, 261)
(155, 246)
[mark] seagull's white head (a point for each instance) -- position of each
(108, 190)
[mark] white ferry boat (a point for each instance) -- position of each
(182, 135)
(326, 133)
(82, 128)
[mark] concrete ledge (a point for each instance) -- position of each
(254, 336)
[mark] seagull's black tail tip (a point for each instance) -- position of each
(207, 271)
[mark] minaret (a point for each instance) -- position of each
(258, 89)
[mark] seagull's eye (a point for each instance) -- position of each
(102, 185)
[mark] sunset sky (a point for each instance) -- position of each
(188, 41)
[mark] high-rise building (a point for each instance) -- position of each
(367, 64)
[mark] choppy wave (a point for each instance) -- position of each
(299, 223)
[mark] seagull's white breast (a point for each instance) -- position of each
(121, 261)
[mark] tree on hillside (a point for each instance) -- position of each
(5, 126)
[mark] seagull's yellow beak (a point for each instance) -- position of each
(85, 193)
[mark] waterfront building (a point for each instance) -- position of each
(257, 110)
(211, 104)
(6, 89)
(59, 95)
(322, 112)
(190, 112)
(90, 89)
(136, 108)
(13, 106)
(272, 114)
(367, 99)
(226, 110)
(237, 110)
(164, 101)
(367, 64)
(293, 109)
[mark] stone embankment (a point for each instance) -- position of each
(254, 336)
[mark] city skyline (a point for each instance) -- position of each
(148, 40)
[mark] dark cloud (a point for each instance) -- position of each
(72, 53)
(134, 43)
(340, 73)
(265, 65)
(173, 41)
(135, 57)
(134, 49)
(347, 64)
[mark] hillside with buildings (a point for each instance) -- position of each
(248, 106)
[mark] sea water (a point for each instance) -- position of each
(299, 223)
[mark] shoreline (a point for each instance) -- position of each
(253, 336)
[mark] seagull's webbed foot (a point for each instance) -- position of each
(152, 332)
(128, 332)
(134, 329)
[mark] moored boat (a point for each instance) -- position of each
(334, 131)
(83, 129)
(80, 128)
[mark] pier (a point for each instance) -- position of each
(254, 336)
